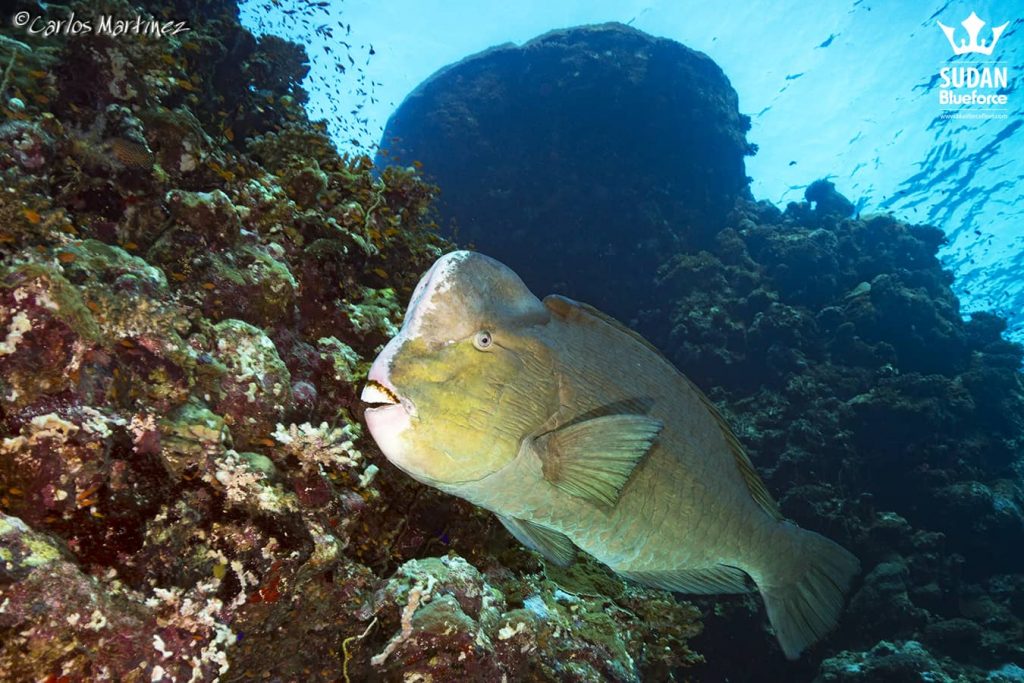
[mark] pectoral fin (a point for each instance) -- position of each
(554, 546)
(570, 310)
(594, 458)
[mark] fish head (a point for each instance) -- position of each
(467, 378)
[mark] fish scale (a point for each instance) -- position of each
(578, 433)
(671, 475)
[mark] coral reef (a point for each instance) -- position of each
(192, 281)
(443, 611)
(603, 139)
(880, 417)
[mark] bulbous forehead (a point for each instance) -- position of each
(464, 291)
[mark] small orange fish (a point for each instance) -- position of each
(36, 73)
(221, 171)
(179, 277)
(380, 271)
(209, 285)
(87, 493)
(130, 246)
(229, 134)
(31, 216)
(66, 257)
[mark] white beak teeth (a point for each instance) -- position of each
(376, 393)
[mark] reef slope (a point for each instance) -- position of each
(192, 283)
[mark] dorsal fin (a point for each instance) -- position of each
(569, 309)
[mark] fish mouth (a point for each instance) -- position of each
(377, 395)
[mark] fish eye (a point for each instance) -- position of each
(483, 340)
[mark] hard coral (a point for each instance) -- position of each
(191, 279)
(255, 392)
(448, 620)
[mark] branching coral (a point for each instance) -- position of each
(245, 484)
(321, 445)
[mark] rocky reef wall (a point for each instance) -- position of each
(601, 148)
(192, 281)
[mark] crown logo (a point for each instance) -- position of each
(973, 26)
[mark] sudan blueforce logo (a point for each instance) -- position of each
(972, 25)
(979, 87)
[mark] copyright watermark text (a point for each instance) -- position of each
(107, 25)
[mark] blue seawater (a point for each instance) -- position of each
(847, 91)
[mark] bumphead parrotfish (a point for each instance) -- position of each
(576, 432)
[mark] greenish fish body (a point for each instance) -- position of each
(577, 433)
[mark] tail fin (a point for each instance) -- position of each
(803, 589)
